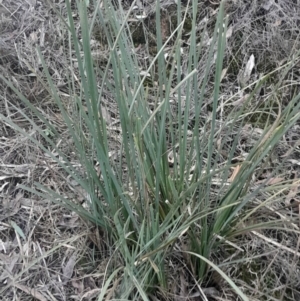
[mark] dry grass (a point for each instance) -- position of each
(48, 253)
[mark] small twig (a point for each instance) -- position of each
(276, 243)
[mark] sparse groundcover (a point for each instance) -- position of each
(149, 150)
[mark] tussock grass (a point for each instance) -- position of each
(178, 188)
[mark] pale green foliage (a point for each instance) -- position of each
(146, 208)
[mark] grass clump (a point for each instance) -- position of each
(176, 187)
